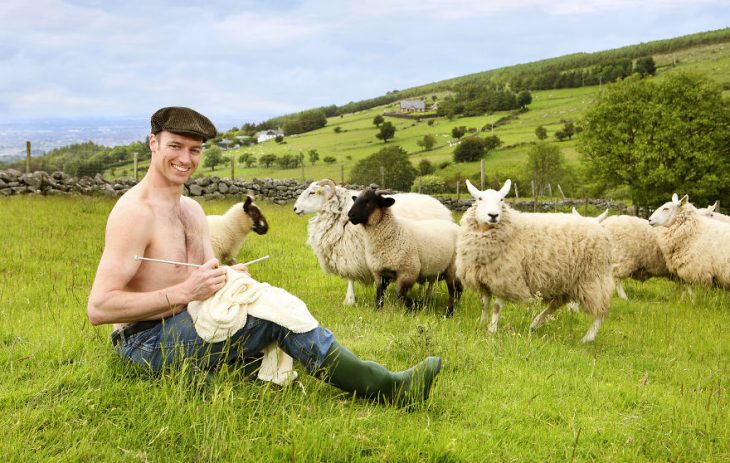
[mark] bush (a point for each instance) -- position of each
(470, 149)
(329, 159)
(429, 184)
(397, 171)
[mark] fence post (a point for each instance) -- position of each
(517, 193)
(233, 166)
(458, 196)
(534, 197)
(342, 173)
(561, 191)
(481, 180)
(27, 157)
(136, 160)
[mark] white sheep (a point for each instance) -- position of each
(228, 231)
(516, 256)
(695, 247)
(713, 213)
(339, 245)
(635, 251)
(405, 250)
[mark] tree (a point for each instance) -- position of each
(397, 171)
(541, 132)
(387, 131)
(213, 157)
(491, 142)
(458, 132)
(425, 167)
(524, 98)
(427, 142)
(660, 137)
(377, 120)
(567, 131)
(470, 149)
(645, 66)
(267, 159)
(546, 164)
(329, 159)
(313, 157)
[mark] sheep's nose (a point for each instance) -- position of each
(493, 217)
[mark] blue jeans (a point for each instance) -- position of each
(175, 340)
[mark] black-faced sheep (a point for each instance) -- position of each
(695, 247)
(228, 231)
(338, 245)
(405, 250)
(516, 256)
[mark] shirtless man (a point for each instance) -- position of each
(147, 301)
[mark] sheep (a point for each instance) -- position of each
(713, 213)
(635, 252)
(516, 256)
(228, 231)
(337, 244)
(694, 247)
(405, 250)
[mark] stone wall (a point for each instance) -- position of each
(14, 182)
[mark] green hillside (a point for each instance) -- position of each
(356, 137)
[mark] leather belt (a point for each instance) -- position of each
(133, 328)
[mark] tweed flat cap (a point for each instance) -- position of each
(183, 121)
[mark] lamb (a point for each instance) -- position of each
(405, 250)
(635, 252)
(712, 212)
(694, 247)
(228, 231)
(515, 256)
(339, 245)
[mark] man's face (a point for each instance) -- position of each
(175, 156)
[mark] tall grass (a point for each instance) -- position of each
(653, 387)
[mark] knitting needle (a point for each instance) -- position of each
(162, 261)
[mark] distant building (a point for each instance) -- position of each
(409, 106)
(268, 135)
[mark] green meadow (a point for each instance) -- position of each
(653, 387)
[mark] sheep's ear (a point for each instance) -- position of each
(248, 202)
(684, 200)
(601, 217)
(472, 189)
(575, 212)
(675, 198)
(387, 201)
(713, 208)
(505, 189)
(354, 197)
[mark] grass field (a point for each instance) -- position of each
(653, 387)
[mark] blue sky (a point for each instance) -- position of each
(251, 60)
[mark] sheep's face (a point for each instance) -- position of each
(311, 200)
(489, 203)
(368, 203)
(708, 211)
(666, 212)
(260, 225)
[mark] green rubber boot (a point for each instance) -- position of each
(368, 379)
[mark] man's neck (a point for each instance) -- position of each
(160, 189)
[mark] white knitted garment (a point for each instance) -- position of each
(225, 312)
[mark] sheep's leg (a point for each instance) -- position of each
(593, 330)
(496, 309)
(620, 290)
(350, 296)
(402, 285)
(540, 319)
(452, 287)
(383, 283)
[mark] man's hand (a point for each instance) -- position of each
(241, 268)
(205, 280)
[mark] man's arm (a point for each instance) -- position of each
(110, 302)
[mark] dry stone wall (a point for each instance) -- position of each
(14, 182)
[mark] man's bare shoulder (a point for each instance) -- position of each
(192, 206)
(131, 208)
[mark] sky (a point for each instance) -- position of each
(247, 61)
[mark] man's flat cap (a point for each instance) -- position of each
(183, 121)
